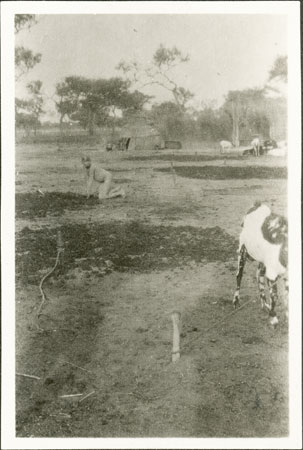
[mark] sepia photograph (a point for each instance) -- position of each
(151, 263)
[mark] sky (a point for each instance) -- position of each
(227, 52)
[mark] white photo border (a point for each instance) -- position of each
(8, 10)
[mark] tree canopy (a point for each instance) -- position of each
(279, 69)
(92, 101)
(159, 72)
(25, 59)
(29, 111)
(23, 21)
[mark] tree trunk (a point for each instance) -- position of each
(235, 116)
(91, 122)
(61, 125)
(114, 126)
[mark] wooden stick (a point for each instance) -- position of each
(71, 364)
(44, 278)
(70, 395)
(88, 395)
(28, 376)
(176, 318)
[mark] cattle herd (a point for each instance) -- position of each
(257, 147)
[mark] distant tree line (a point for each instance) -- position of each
(93, 103)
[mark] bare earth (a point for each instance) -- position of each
(106, 327)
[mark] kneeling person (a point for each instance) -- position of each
(95, 173)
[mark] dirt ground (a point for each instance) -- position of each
(105, 330)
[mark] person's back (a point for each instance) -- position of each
(99, 174)
(95, 173)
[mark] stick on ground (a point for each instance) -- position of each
(176, 318)
(28, 376)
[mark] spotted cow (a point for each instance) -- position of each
(225, 147)
(264, 238)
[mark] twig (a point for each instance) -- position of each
(66, 362)
(64, 415)
(70, 395)
(144, 397)
(28, 376)
(60, 249)
(42, 281)
(88, 395)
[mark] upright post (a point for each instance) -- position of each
(176, 318)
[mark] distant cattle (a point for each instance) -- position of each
(269, 144)
(256, 146)
(225, 146)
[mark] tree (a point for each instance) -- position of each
(67, 98)
(279, 69)
(241, 106)
(28, 111)
(23, 21)
(159, 72)
(213, 124)
(276, 98)
(25, 59)
(276, 85)
(172, 122)
(101, 97)
(95, 101)
(25, 116)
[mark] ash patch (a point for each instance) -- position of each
(117, 246)
(228, 172)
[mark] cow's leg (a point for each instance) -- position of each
(273, 294)
(261, 283)
(241, 263)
